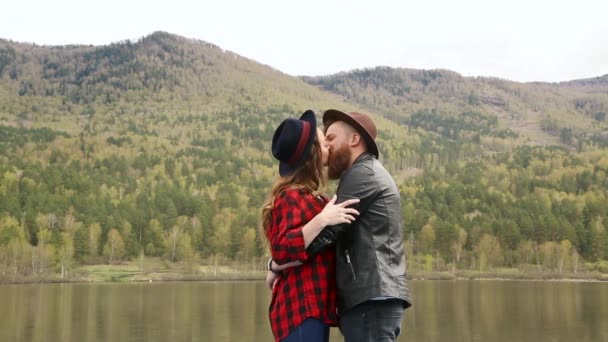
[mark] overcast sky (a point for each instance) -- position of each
(532, 40)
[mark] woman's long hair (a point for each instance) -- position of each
(309, 178)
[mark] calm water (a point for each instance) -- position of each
(237, 311)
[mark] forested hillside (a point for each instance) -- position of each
(161, 148)
(571, 114)
(536, 196)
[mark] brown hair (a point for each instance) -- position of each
(308, 178)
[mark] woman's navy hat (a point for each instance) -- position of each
(292, 141)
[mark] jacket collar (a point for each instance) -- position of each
(362, 157)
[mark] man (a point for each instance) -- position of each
(370, 267)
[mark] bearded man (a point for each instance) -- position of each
(370, 269)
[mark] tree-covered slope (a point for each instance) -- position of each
(161, 147)
(568, 113)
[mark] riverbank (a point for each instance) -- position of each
(509, 274)
(132, 273)
(158, 271)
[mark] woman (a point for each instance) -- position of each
(303, 298)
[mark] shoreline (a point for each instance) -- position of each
(512, 275)
(118, 274)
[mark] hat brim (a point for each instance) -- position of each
(287, 169)
(333, 115)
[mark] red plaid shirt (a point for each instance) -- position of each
(304, 291)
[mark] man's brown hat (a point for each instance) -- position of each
(361, 122)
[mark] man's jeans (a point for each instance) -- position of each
(374, 320)
(311, 330)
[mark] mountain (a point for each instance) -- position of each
(155, 85)
(588, 85)
(162, 147)
(537, 111)
(135, 135)
(161, 66)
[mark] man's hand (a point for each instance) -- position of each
(272, 277)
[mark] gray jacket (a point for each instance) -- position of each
(370, 254)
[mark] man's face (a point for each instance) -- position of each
(337, 137)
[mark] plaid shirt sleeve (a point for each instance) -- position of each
(290, 215)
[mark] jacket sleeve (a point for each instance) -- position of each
(287, 240)
(358, 182)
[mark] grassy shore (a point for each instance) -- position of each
(153, 270)
(509, 274)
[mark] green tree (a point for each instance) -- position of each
(427, 238)
(81, 245)
(94, 234)
(525, 250)
(130, 239)
(156, 244)
(598, 238)
(549, 252)
(222, 233)
(564, 254)
(247, 245)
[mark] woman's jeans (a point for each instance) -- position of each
(373, 320)
(311, 330)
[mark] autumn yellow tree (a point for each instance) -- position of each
(115, 247)
(489, 251)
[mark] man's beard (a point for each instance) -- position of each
(338, 161)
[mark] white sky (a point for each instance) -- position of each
(520, 40)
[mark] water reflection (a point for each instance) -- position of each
(237, 311)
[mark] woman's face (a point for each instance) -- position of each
(324, 148)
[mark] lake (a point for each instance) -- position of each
(237, 311)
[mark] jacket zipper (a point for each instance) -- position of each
(352, 269)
